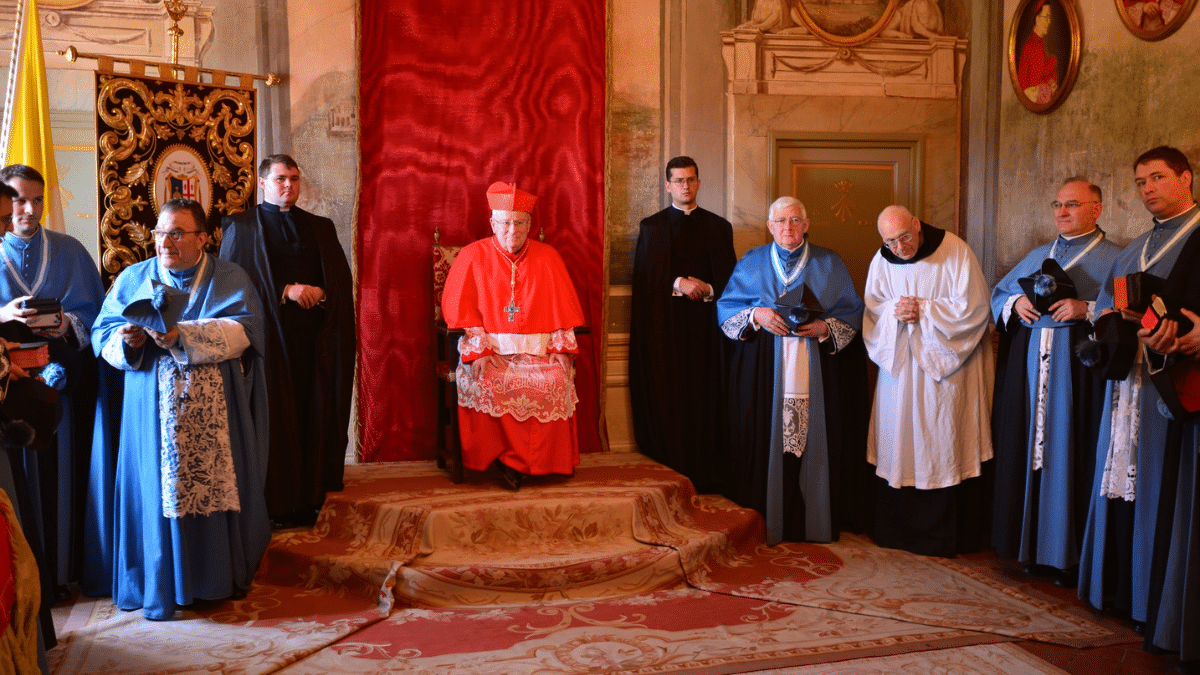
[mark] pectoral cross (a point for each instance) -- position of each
(512, 310)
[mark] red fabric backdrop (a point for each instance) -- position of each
(454, 96)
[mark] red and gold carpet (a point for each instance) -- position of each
(620, 568)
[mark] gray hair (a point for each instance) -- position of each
(784, 202)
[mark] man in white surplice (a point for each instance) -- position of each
(926, 318)
(190, 519)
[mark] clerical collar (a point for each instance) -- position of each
(28, 239)
(1174, 221)
(273, 208)
(686, 212)
(1073, 237)
(792, 255)
(931, 239)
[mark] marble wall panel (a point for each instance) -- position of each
(755, 117)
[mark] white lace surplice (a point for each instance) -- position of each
(526, 384)
(196, 457)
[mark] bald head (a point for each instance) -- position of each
(900, 230)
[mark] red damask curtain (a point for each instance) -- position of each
(455, 95)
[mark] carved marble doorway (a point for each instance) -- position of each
(845, 180)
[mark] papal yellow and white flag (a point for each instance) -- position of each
(26, 132)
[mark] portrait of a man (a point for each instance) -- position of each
(1043, 52)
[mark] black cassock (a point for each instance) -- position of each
(677, 351)
(310, 353)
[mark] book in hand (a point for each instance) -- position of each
(30, 355)
(47, 312)
(1047, 286)
(1133, 292)
(158, 306)
(1160, 309)
(799, 306)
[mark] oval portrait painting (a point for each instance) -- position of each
(1043, 52)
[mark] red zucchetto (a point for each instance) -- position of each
(506, 197)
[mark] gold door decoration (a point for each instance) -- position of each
(159, 137)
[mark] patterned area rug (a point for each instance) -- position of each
(982, 660)
(621, 566)
(679, 631)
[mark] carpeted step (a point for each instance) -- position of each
(537, 545)
(621, 526)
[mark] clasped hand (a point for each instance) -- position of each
(1062, 311)
(303, 295)
(135, 336)
(694, 288)
(774, 323)
(908, 309)
(477, 366)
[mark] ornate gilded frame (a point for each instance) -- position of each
(139, 120)
(1182, 10)
(851, 35)
(1068, 45)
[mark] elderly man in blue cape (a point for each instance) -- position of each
(1132, 470)
(191, 521)
(40, 264)
(1047, 403)
(796, 368)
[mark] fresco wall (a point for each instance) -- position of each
(1130, 95)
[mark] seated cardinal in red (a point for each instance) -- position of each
(516, 391)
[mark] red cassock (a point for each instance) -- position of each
(1036, 66)
(522, 309)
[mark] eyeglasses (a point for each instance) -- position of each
(1071, 205)
(794, 220)
(173, 235)
(902, 239)
(511, 223)
(680, 182)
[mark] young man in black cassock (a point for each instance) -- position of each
(684, 257)
(301, 276)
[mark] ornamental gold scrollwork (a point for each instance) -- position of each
(138, 119)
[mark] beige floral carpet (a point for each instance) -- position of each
(621, 568)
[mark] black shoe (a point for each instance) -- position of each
(1139, 627)
(1067, 578)
(1039, 570)
(510, 477)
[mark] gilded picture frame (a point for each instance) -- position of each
(1154, 19)
(846, 24)
(1044, 48)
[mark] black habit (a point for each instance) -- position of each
(310, 353)
(676, 350)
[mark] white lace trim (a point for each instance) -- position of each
(1120, 463)
(795, 424)
(735, 327)
(1043, 393)
(842, 333)
(83, 332)
(476, 341)
(209, 341)
(525, 386)
(195, 454)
